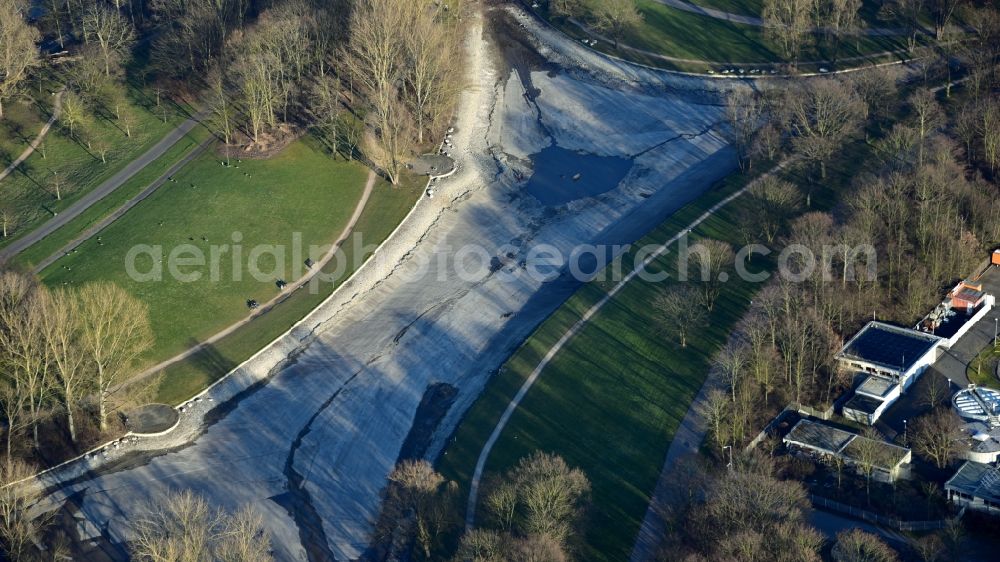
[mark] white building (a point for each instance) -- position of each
(892, 358)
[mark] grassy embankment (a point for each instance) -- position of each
(300, 191)
(612, 399)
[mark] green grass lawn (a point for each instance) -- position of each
(98, 211)
(386, 208)
(868, 13)
(611, 400)
(21, 123)
(299, 191)
(982, 369)
(27, 190)
(675, 33)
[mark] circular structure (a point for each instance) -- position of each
(434, 165)
(979, 404)
(152, 419)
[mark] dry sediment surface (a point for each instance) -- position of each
(308, 430)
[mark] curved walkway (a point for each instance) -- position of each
(759, 22)
(289, 289)
(470, 514)
(95, 195)
(56, 111)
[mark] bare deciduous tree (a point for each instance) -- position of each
(110, 31)
(115, 331)
(859, 546)
(937, 436)
(182, 527)
(820, 117)
(679, 311)
(615, 17)
(417, 506)
(18, 49)
(65, 350)
(787, 22)
(18, 492)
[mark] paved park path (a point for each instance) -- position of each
(759, 22)
(93, 230)
(288, 290)
(111, 184)
(56, 111)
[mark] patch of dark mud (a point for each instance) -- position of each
(297, 501)
(434, 405)
(563, 175)
(517, 52)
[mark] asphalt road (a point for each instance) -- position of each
(111, 184)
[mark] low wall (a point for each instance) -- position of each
(988, 304)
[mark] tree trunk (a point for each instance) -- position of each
(70, 422)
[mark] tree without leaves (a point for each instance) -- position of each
(417, 506)
(18, 493)
(937, 436)
(679, 311)
(840, 17)
(10, 218)
(787, 22)
(859, 546)
(928, 116)
(376, 57)
(942, 11)
(429, 67)
(183, 528)
(744, 111)
(115, 332)
(713, 256)
(111, 32)
(821, 116)
(906, 12)
(615, 17)
(18, 49)
(73, 112)
(772, 200)
(65, 349)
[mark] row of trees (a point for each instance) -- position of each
(533, 512)
(920, 212)
(614, 18)
(64, 350)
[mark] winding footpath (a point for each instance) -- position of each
(288, 290)
(56, 111)
(758, 21)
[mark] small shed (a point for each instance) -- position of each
(996, 257)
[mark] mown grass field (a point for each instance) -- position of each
(27, 191)
(262, 202)
(386, 209)
(96, 212)
(612, 399)
(684, 35)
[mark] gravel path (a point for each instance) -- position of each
(56, 111)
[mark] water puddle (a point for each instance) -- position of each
(563, 175)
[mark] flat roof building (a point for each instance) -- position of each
(828, 441)
(893, 358)
(976, 486)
